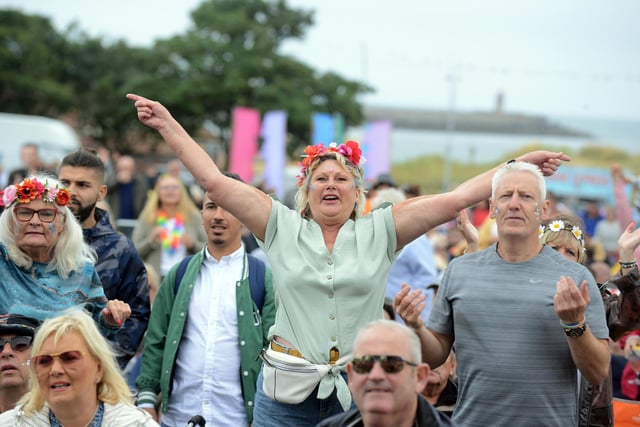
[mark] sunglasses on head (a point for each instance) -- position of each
(67, 358)
(19, 343)
(389, 364)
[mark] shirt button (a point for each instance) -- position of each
(330, 262)
(330, 294)
(329, 277)
(332, 317)
(249, 403)
(241, 313)
(181, 314)
(333, 338)
(175, 342)
(245, 373)
(243, 342)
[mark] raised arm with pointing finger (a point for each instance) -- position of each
(330, 264)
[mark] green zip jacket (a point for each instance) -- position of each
(166, 326)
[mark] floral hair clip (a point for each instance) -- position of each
(31, 189)
(350, 150)
(559, 225)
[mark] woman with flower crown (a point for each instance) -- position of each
(45, 266)
(329, 264)
(169, 226)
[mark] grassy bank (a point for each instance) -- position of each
(428, 171)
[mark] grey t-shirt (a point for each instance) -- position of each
(514, 364)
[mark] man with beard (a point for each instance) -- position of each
(119, 266)
(16, 334)
(209, 322)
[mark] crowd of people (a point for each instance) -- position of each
(503, 301)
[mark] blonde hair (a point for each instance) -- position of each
(186, 207)
(112, 387)
(565, 236)
(302, 201)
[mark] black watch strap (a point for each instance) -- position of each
(575, 332)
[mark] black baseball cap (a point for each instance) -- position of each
(16, 324)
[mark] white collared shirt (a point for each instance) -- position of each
(206, 380)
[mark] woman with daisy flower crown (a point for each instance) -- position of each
(45, 265)
(565, 234)
(329, 264)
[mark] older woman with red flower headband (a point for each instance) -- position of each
(45, 266)
(329, 264)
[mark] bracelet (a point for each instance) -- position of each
(573, 325)
(629, 264)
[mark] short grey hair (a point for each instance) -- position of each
(518, 166)
(412, 338)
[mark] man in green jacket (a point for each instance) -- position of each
(206, 332)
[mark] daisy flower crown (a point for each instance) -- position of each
(31, 189)
(559, 225)
(350, 150)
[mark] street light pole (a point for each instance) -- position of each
(452, 79)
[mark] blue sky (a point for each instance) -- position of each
(570, 57)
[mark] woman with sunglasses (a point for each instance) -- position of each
(75, 380)
(45, 265)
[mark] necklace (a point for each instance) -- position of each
(96, 421)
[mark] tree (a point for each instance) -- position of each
(230, 57)
(32, 73)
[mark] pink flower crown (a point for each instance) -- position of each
(559, 225)
(350, 150)
(31, 189)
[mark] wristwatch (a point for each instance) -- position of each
(575, 332)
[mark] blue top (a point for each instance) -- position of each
(43, 294)
(415, 265)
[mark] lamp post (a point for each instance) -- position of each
(452, 79)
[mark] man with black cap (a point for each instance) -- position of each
(16, 334)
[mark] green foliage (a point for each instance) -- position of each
(228, 57)
(32, 73)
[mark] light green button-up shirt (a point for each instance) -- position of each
(323, 298)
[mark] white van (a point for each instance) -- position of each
(53, 137)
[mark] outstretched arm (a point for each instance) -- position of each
(417, 215)
(248, 204)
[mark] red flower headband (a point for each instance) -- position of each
(31, 189)
(350, 150)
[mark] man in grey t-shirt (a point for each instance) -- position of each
(525, 320)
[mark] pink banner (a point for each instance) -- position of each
(245, 128)
(377, 148)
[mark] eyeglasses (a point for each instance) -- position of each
(389, 364)
(25, 214)
(67, 358)
(19, 343)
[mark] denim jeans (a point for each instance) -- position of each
(268, 413)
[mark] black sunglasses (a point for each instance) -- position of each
(19, 343)
(389, 364)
